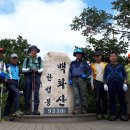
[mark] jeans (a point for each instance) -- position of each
(12, 99)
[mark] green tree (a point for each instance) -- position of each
(17, 46)
(123, 16)
(93, 22)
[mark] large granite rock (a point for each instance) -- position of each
(56, 97)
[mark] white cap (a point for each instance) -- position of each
(14, 55)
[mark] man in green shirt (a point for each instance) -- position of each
(127, 69)
(32, 69)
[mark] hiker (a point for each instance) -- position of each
(97, 85)
(127, 69)
(2, 78)
(32, 69)
(78, 73)
(12, 84)
(115, 82)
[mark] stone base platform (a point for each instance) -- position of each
(56, 118)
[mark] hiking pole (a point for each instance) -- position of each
(33, 89)
(1, 91)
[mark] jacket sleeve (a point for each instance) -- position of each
(24, 69)
(70, 72)
(89, 70)
(124, 74)
(105, 75)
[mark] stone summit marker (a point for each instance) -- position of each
(56, 97)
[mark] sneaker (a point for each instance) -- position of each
(17, 113)
(36, 113)
(124, 118)
(112, 118)
(6, 118)
(99, 117)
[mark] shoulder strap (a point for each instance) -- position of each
(39, 61)
(27, 62)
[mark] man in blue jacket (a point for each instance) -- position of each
(78, 73)
(12, 80)
(115, 81)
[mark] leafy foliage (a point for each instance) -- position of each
(123, 17)
(17, 46)
(92, 20)
(98, 22)
(14, 46)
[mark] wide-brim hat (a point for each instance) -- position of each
(34, 47)
(74, 54)
(78, 50)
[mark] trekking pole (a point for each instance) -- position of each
(33, 89)
(1, 91)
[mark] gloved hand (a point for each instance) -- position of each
(2, 75)
(92, 87)
(105, 87)
(125, 87)
(33, 70)
(84, 76)
(70, 82)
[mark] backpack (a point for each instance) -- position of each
(39, 61)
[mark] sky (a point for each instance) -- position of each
(45, 23)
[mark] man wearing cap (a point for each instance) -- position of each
(32, 69)
(97, 85)
(115, 80)
(78, 73)
(12, 81)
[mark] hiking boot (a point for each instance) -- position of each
(75, 112)
(36, 112)
(99, 117)
(27, 113)
(105, 116)
(124, 118)
(112, 118)
(83, 112)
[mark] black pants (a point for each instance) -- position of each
(13, 98)
(100, 97)
(116, 88)
(28, 91)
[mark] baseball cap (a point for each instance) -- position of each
(14, 55)
(97, 53)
